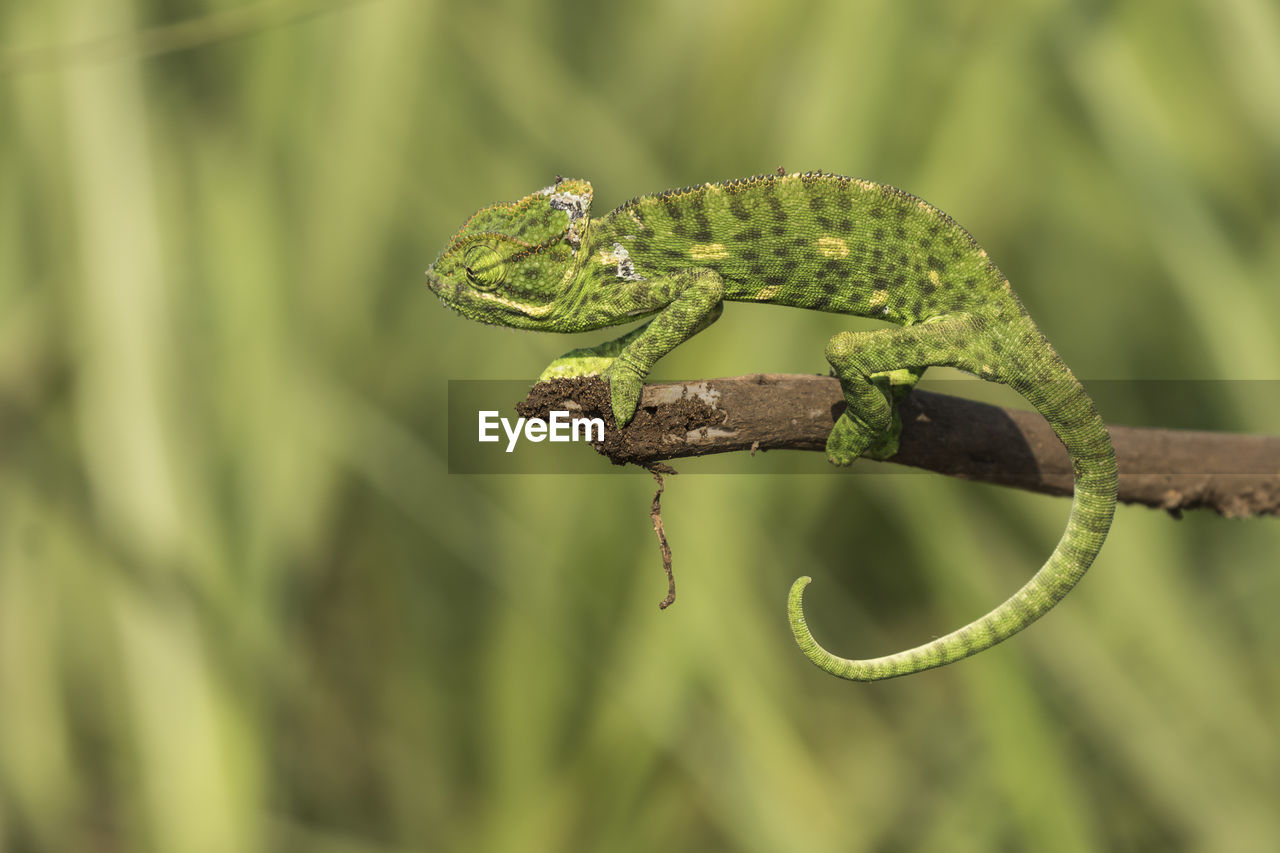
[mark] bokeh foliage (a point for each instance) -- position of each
(244, 606)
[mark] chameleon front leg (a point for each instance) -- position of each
(694, 302)
(590, 361)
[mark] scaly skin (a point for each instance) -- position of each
(810, 240)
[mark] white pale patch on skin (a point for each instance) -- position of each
(934, 277)
(570, 203)
(832, 247)
(620, 256)
(575, 205)
(708, 251)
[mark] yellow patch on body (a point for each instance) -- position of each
(523, 307)
(767, 293)
(708, 251)
(832, 247)
(879, 297)
(934, 277)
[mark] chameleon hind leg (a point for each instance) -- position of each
(877, 369)
(858, 431)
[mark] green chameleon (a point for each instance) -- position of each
(812, 240)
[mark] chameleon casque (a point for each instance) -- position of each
(813, 240)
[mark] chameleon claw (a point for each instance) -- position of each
(624, 392)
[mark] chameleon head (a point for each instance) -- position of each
(509, 264)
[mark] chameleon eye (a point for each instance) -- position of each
(485, 269)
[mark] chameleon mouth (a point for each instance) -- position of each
(440, 286)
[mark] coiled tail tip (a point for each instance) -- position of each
(850, 670)
(795, 611)
(795, 615)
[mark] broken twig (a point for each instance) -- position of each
(655, 513)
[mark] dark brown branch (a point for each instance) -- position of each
(1173, 470)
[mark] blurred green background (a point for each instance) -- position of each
(244, 606)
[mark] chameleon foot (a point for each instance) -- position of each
(851, 438)
(625, 383)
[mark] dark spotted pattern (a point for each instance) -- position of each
(816, 241)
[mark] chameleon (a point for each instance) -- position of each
(811, 240)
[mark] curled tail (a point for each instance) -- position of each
(1057, 395)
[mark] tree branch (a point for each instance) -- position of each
(1173, 470)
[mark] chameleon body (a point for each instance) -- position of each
(814, 240)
